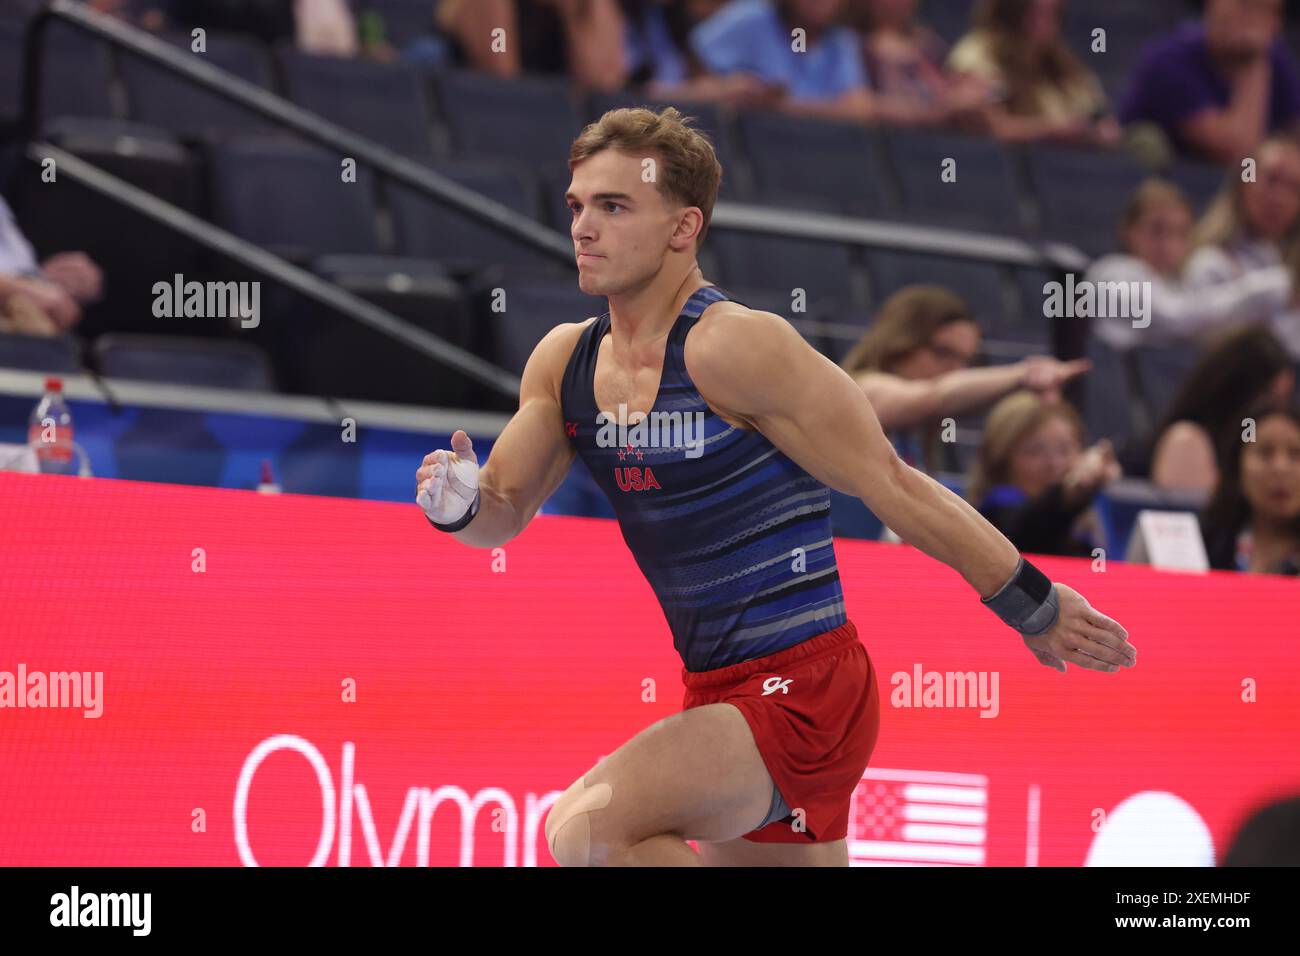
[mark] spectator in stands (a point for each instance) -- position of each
(1244, 367)
(1035, 482)
(1155, 237)
(41, 298)
(754, 41)
(912, 364)
(905, 62)
(1218, 87)
(1252, 522)
(1253, 227)
(662, 64)
(581, 38)
(1038, 88)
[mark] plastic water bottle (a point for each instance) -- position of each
(49, 431)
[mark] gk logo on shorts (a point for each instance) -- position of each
(773, 684)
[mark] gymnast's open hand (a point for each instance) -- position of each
(447, 481)
(1082, 635)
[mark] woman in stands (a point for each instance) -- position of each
(1243, 367)
(912, 363)
(1155, 236)
(1252, 228)
(1039, 89)
(1034, 481)
(1252, 522)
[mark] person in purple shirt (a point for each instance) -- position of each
(1218, 87)
(817, 72)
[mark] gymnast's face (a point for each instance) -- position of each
(1270, 469)
(623, 227)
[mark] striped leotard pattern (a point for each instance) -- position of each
(733, 537)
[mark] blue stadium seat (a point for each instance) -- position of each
(210, 363)
(404, 20)
(292, 197)
(1030, 325)
(40, 354)
(795, 158)
(777, 264)
(948, 18)
(1161, 372)
(428, 229)
(534, 305)
(487, 116)
(981, 284)
(1082, 193)
(77, 75)
(162, 98)
(985, 195)
(385, 102)
(1200, 181)
(1111, 408)
(11, 69)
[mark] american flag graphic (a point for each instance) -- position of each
(918, 818)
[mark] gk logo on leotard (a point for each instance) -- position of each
(773, 684)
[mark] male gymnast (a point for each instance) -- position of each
(729, 522)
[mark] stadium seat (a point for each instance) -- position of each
(1081, 194)
(429, 229)
(77, 74)
(948, 18)
(160, 97)
(37, 353)
(385, 102)
(487, 116)
(794, 159)
(1200, 181)
(824, 270)
(403, 20)
(981, 284)
(347, 357)
(292, 197)
(1112, 409)
(1161, 372)
(534, 305)
(11, 69)
(210, 363)
(985, 195)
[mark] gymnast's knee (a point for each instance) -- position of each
(568, 825)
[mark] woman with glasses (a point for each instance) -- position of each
(913, 364)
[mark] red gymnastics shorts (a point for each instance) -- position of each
(814, 710)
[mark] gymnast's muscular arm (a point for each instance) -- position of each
(812, 411)
(531, 456)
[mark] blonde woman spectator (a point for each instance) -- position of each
(1038, 88)
(1155, 237)
(1252, 228)
(1034, 480)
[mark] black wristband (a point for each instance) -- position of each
(463, 520)
(1027, 602)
